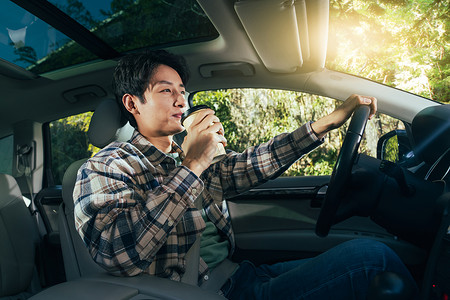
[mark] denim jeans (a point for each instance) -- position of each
(343, 272)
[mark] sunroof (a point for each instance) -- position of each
(125, 25)
(25, 40)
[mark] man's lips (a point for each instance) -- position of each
(178, 116)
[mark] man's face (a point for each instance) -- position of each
(161, 114)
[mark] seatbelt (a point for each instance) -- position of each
(192, 257)
(219, 275)
(192, 264)
(25, 159)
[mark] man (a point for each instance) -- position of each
(136, 202)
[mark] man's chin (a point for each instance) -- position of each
(178, 130)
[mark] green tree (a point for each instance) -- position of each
(116, 7)
(132, 25)
(26, 54)
(69, 143)
(391, 149)
(253, 116)
(402, 43)
(76, 10)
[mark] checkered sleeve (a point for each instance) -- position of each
(258, 164)
(124, 215)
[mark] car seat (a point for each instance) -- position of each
(107, 125)
(19, 240)
(19, 243)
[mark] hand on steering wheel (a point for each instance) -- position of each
(342, 170)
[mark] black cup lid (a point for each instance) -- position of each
(191, 110)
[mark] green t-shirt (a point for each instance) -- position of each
(213, 247)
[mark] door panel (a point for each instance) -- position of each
(276, 221)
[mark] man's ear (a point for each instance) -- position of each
(129, 101)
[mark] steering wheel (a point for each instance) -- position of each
(342, 170)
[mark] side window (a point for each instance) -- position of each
(69, 143)
(253, 116)
(6, 154)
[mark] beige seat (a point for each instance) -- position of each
(18, 276)
(19, 239)
(106, 126)
(77, 260)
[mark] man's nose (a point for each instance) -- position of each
(181, 100)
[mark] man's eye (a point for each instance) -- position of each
(183, 92)
(166, 91)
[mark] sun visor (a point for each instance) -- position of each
(287, 35)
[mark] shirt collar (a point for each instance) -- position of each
(150, 151)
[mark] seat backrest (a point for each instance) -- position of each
(77, 260)
(104, 128)
(19, 239)
(107, 125)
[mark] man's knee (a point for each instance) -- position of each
(370, 251)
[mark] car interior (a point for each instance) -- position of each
(57, 64)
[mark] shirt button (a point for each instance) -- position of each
(194, 190)
(170, 223)
(206, 277)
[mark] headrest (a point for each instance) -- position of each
(431, 132)
(108, 125)
(10, 190)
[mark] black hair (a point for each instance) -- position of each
(134, 71)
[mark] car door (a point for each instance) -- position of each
(276, 220)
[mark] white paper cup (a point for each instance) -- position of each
(188, 118)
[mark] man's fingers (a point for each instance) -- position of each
(371, 101)
(216, 127)
(222, 139)
(373, 107)
(201, 116)
(207, 122)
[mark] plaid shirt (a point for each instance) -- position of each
(134, 207)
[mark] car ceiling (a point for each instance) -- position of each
(231, 60)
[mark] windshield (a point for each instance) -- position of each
(401, 43)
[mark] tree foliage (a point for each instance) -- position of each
(77, 11)
(253, 116)
(69, 143)
(26, 54)
(130, 25)
(401, 43)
